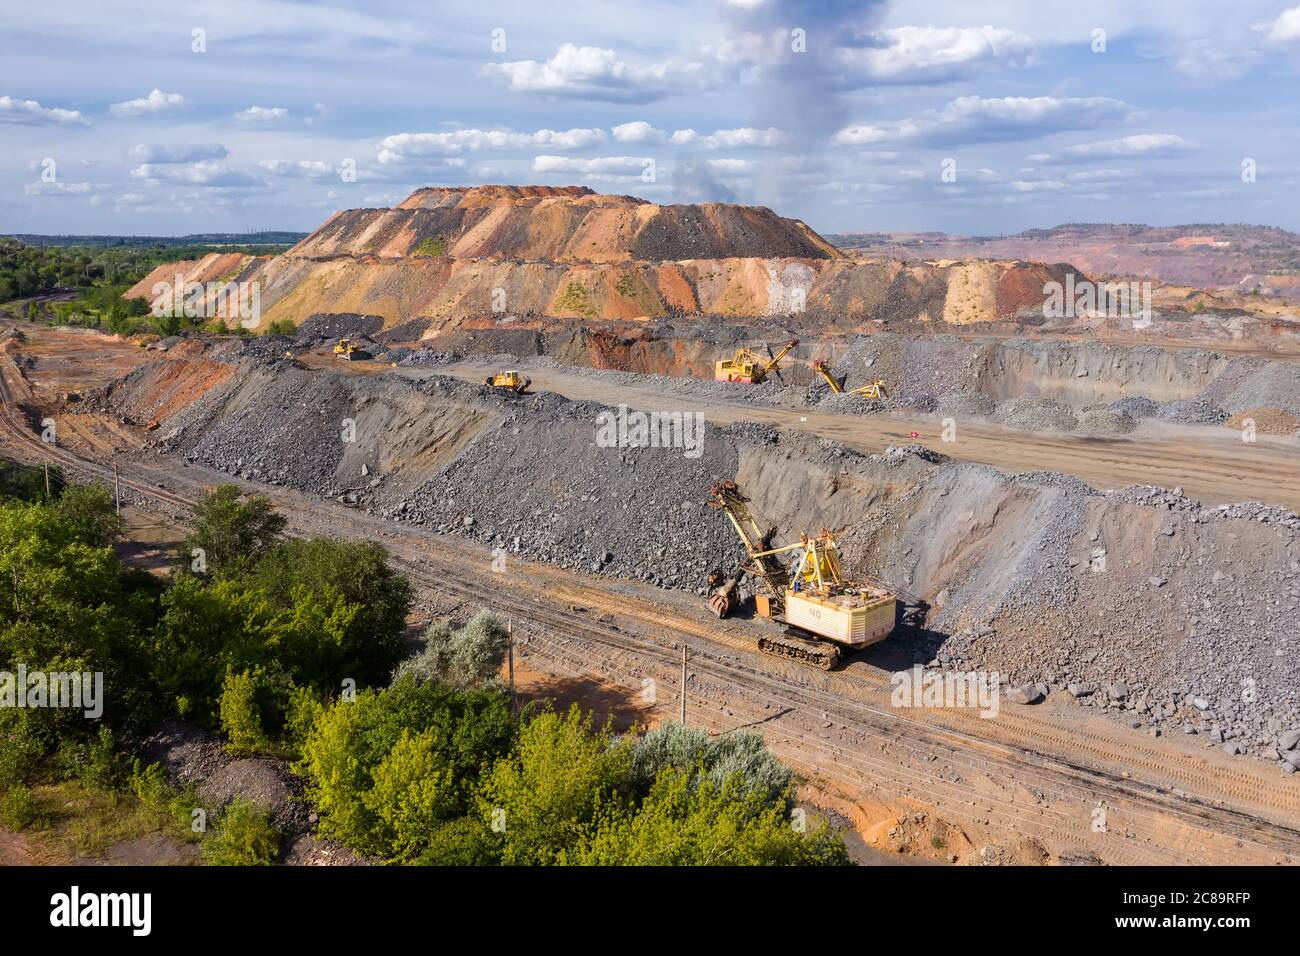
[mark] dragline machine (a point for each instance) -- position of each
(822, 610)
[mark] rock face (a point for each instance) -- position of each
(447, 254)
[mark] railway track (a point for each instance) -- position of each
(1034, 762)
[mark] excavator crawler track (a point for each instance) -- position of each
(792, 646)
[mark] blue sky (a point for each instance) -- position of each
(982, 117)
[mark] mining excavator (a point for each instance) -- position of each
(510, 381)
(747, 366)
(874, 390)
(821, 609)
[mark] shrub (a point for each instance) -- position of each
(241, 718)
(468, 657)
(243, 836)
(19, 809)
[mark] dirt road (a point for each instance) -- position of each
(1212, 464)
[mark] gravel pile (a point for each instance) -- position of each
(969, 404)
(1136, 406)
(1106, 421)
(1194, 411)
(1036, 414)
(336, 325)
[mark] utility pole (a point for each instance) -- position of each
(510, 660)
(683, 683)
(117, 489)
(47, 479)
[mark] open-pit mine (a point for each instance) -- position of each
(1089, 520)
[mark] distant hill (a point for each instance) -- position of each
(1243, 258)
(197, 239)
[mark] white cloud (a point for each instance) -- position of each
(181, 153)
(303, 169)
(638, 132)
(262, 114)
(594, 73)
(32, 113)
(1143, 144)
(155, 104)
(58, 188)
(730, 138)
(732, 167)
(931, 54)
(401, 146)
(976, 119)
(205, 173)
(616, 166)
(1286, 28)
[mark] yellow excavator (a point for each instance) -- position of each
(748, 367)
(874, 390)
(821, 609)
(510, 381)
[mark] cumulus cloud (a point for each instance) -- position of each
(589, 72)
(1154, 145)
(1286, 28)
(262, 114)
(730, 138)
(155, 104)
(32, 113)
(205, 173)
(620, 166)
(973, 119)
(180, 153)
(638, 132)
(929, 54)
(399, 147)
(302, 169)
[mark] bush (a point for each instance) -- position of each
(243, 836)
(241, 718)
(231, 533)
(19, 809)
(470, 656)
(364, 763)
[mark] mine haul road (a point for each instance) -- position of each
(1212, 464)
(1080, 785)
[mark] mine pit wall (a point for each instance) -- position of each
(1077, 373)
(1005, 560)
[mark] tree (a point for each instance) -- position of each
(552, 792)
(363, 762)
(699, 823)
(232, 534)
(90, 513)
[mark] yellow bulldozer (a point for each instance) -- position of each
(347, 349)
(748, 367)
(875, 389)
(510, 381)
(822, 610)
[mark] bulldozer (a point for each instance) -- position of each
(347, 349)
(821, 609)
(510, 381)
(875, 389)
(748, 367)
